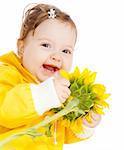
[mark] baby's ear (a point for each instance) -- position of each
(20, 47)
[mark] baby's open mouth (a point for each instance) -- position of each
(50, 67)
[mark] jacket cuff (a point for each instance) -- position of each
(44, 96)
(86, 133)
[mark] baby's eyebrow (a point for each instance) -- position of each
(45, 39)
(69, 46)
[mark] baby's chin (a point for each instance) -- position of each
(41, 77)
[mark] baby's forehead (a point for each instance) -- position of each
(54, 25)
(55, 30)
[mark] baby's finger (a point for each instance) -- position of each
(67, 90)
(95, 116)
(65, 82)
(62, 80)
(90, 125)
(64, 96)
(62, 99)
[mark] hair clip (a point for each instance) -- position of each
(52, 13)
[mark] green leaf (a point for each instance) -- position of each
(48, 130)
(80, 81)
(74, 86)
(88, 103)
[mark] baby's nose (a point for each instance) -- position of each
(56, 57)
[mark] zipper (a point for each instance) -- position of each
(55, 132)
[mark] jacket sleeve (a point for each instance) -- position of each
(20, 102)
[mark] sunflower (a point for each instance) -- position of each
(85, 96)
(91, 96)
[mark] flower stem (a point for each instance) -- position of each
(70, 107)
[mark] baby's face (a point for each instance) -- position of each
(49, 49)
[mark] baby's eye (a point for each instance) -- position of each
(66, 51)
(46, 45)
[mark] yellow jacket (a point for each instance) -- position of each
(17, 110)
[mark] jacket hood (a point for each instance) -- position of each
(12, 59)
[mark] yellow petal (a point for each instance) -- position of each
(102, 103)
(76, 126)
(70, 98)
(71, 76)
(99, 89)
(76, 72)
(90, 79)
(79, 121)
(62, 106)
(104, 96)
(98, 109)
(88, 117)
(85, 73)
(64, 74)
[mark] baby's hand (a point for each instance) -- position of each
(61, 86)
(95, 120)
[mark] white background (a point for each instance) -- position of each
(99, 47)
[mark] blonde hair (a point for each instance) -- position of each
(39, 13)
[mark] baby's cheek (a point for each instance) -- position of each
(67, 68)
(68, 64)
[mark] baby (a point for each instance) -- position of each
(30, 84)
